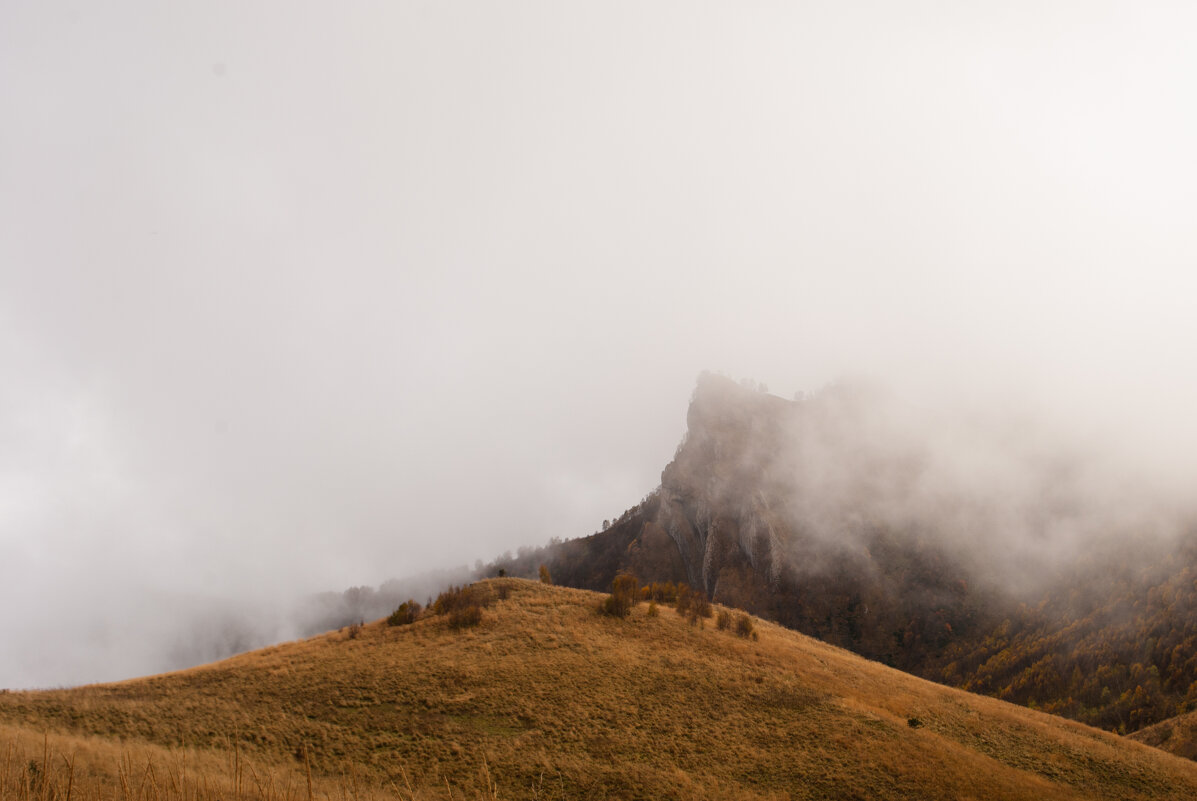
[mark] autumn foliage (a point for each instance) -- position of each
(407, 613)
(625, 593)
(462, 605)
(692, 604)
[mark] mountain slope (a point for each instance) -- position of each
(983, 556)
(552, 700)
(1176, 735)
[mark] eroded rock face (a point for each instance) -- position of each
(687, 537)
(712, 497)
(793, 510)
(769, 505)
(848, 517)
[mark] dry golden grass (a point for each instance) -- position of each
(1176, 735)
(74, 768)
(548, 700)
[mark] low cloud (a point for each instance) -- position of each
(443, 289)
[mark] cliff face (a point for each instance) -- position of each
(752, 511)
(837, 517)
(776, 506)
(714, 502)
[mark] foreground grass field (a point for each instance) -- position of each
(545, 699)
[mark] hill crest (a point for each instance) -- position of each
(558, 701)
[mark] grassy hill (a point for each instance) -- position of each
(547, 699)
(1176, 735)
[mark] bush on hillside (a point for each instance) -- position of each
(545, 578)
(408, 612)
(463, 605)
(692, 604)
(625, 593)
(663, 591)
(458, 598)
(683, 601)
(465, 617)
(744, 627)
(723, 620)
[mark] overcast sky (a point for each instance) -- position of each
(299, 295)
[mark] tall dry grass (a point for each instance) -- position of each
(546, 699)
(66, 768)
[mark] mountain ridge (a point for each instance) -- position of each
(832, 515)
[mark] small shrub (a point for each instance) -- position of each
(455, 598)
(612, 607)
(723, 620)
(663, 591)
(744, 627)
(627, 586)
(913, 723)
(683, 600)
(502, 572)
(465, 616)
(355, 629)
(692, 604)
(652, 609)
(625, 593)
(545, 578)
(445, 602)
(459, 599)
(408, 612)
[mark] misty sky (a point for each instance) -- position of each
(298, 295)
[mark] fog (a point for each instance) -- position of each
(296, 297)
(1016, 502)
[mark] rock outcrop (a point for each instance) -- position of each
(837, 516)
